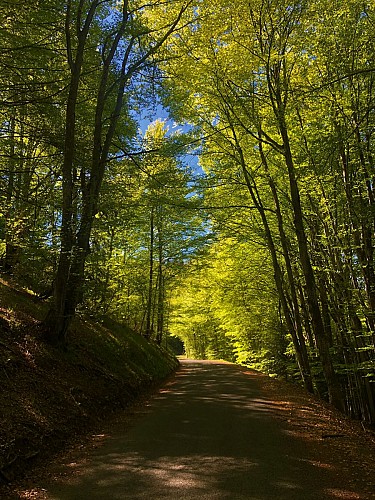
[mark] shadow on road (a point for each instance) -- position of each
(210, 434)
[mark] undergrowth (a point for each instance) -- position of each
(50, 396)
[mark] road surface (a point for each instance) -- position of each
(210, 434)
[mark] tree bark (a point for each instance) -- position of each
(299, 341)
(302, 360)
(334, 390)
(59, 316)
(160, 312)
(148, 330)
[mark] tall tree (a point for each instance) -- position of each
(126, 47)
(252, 86)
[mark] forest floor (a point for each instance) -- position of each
(343, 445)
(51, 398)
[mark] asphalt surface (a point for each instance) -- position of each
(210, 434)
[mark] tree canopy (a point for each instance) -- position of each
(262, 251)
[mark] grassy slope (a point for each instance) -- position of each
(48, 396)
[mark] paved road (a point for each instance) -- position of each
(211, 434)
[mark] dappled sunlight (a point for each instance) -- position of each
(208, 434)
(306, 435)
(342, 494)
(240, 399)
(316, 463)
(287, 486)
(195, 476)
(194, 472)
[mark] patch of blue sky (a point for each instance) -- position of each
(148, 115)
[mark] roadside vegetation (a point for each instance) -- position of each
(51, 397)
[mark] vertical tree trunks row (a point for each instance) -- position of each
(300, 339)
(298, 342)
(320, 333)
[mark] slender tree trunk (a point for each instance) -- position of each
(56, 321)
(300, 339)
(148, 331)
(160, 312)
(278, 275)
(334, 390)
(11, 251)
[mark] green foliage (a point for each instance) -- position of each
(284, 97)
(154, 184)
(267, 259)
(227, 308)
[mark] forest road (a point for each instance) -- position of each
(210, 433)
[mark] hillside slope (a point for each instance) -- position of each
(48, 397)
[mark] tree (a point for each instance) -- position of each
(32, 77)
(147, 226)
(253, 87)
(126, 47)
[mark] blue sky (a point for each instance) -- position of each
(159, 112)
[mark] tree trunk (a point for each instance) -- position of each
(148, 330)
(299, 341)
(59, 316)
(278, 275)
(334, 390)
(160, 312)
(12, 247)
